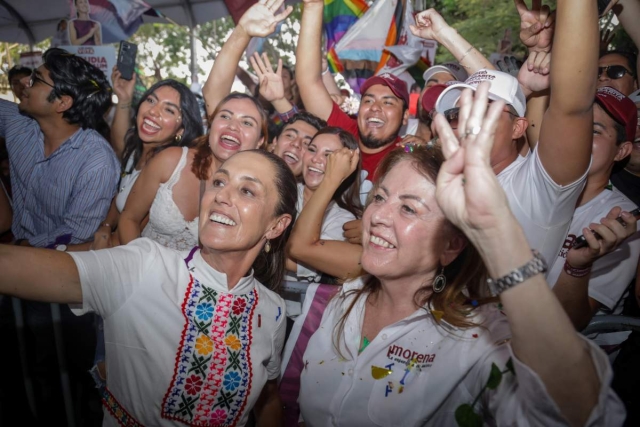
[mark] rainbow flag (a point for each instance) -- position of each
(357, 54)
(393, 35)
(339, 16)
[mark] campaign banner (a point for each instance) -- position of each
(102, 57)
(98, 22)
(31, 59)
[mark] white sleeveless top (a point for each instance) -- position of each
(166, 224)
(126, 184)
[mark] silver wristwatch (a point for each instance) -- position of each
(536, 266)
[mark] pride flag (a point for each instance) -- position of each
(357, 54)
(339, 16)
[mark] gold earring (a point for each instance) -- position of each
(267, 247)
(178, 138)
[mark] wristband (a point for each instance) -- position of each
(325, 71)
(124, 106)
(576, 272)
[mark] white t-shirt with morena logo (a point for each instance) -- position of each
(417, 372)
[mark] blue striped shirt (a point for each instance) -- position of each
(68, 192)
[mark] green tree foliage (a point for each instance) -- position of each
(482, 23)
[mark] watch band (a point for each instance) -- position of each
(537, 265)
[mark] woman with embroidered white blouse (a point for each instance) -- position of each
(420, 341)
(195, 337)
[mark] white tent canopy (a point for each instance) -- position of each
(31, 21)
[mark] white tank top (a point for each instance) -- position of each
(166, 224)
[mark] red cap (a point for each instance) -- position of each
(620, 107)
(430, 97)
(397, 85)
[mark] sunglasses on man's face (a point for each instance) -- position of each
(451, 115)
(614, 72)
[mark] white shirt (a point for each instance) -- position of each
(612, 273)
(542, 207)
(417, 373)
(175, 334)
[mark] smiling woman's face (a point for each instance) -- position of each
(236, 127)
(404, 230)
(238, 207)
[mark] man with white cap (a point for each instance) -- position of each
(543, 187)
(443, 73)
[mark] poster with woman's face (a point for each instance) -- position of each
(81, 28)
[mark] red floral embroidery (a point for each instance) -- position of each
(239, 304)
(193, 385)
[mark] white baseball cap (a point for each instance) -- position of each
(452, 68)
(503, 87)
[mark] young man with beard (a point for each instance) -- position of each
(385, 98)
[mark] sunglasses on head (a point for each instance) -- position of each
(614, 72)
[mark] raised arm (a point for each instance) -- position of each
(471, 197)
(567, 128)
(259, 20)
(53, 277)
(157, 171)
(572, 285)
(334, 257)
(122, 119)
(431, 26)
(314, 94)
(271, 84)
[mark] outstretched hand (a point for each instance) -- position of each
(341, 164)
(271, 86)
(467, 189)
(260, 20)
(429, 24)
(613, 234)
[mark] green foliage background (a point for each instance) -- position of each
(482, 22)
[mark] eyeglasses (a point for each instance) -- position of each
(34, 78)
(614, 72)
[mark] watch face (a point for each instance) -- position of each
(61, 248)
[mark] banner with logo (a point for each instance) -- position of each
(102, 57)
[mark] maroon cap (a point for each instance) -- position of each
(620, 107)
(397, 85)
(430, 97)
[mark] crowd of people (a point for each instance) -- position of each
(452, 260)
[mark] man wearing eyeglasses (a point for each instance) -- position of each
(64, 175)
(617, 70)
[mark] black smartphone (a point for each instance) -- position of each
(602, 5)
(581, 242)
(127, 59)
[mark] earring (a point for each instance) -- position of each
(267, 247)
(178, 138)
(439, 282)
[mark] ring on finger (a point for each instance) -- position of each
(475, 130)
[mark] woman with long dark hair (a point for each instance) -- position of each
(192, 337)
